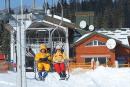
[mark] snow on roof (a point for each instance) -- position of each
(60, 18)
(119, 34)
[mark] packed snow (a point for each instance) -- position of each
(100, 77)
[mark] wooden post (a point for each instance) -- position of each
(92, 63)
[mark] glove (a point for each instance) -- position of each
(43, 59)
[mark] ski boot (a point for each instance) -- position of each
(62, 76)
(40, 76)
(44, 75)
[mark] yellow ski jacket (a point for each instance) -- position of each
(59, 57)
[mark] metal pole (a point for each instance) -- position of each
(12, 48)
(33, 4)
(19, 71)
(5, 4)
(67, 44)
(23, 48)
(56, 26)
(45, 6)
(9, 6)
(21, 78)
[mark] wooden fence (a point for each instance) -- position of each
(124, 65)
(88, 66)
(79, 65)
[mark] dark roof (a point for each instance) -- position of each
(94, 33)
(52, 20)
(125, 46)
(129, 37)
(39, 25)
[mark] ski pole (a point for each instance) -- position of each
(67, 65)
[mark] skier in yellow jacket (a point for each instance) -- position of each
(59, 59)
(42, 63)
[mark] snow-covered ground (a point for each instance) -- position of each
(100, 77)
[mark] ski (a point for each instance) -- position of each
(62, 79)
(67, 78)
(38, 79)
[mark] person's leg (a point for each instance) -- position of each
(46, 67)
(40, 74)
(40, 69)
(62, 67)
(46, 70)
(63, 70)
(44, 75)
(57, 69)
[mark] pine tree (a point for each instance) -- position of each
(5, 42)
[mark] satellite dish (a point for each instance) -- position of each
(111, 44)
(83, 24)
(91, 28)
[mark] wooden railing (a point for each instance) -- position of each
(88, 66)
(80, 65)
(124, 65)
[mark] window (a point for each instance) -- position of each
(102, 60)
(88, 60)
(96, 43)
(89, 44)
(101, 43)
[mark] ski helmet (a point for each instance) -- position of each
(58, 47)
(43, 46)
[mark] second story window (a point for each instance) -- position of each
(96, 43)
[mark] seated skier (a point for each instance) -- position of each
(59, 59)
(42, 61)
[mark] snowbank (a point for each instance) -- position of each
(100, 77)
